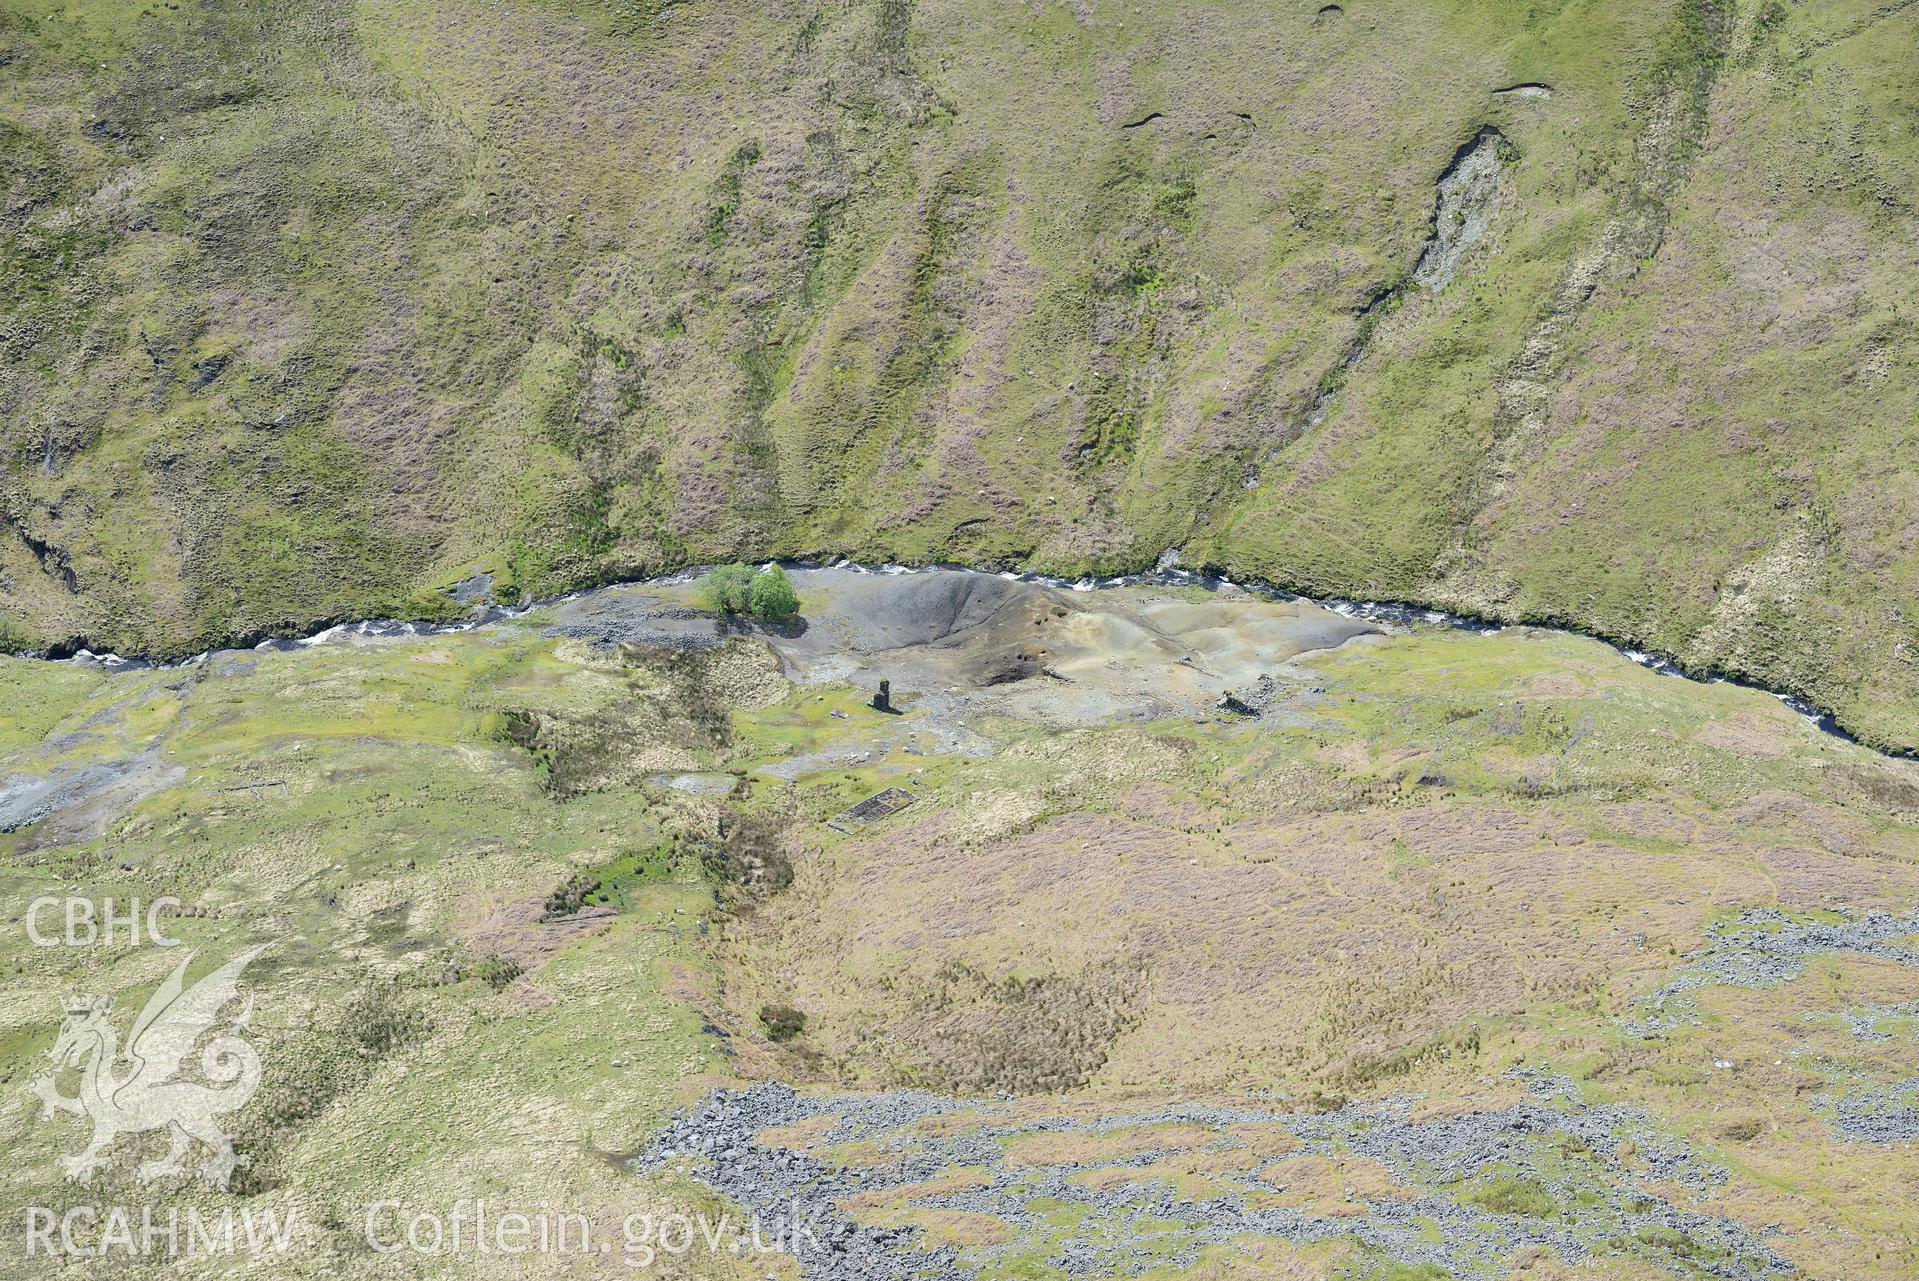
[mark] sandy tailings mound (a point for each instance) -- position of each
(1047, 652)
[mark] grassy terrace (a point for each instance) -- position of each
(1509, 845)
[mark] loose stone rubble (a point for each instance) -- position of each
(1607, 1201)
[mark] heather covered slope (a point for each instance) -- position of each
(312, 310)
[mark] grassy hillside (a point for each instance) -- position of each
(311, 310)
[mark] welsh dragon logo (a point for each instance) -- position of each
(135, 1090)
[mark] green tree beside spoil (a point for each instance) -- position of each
(724, 590)
(771, 597)
(767, 595)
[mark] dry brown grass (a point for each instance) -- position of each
(1337, 952)
(969, 1033)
